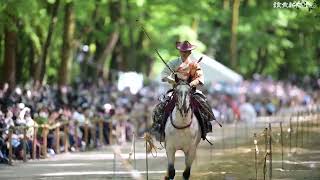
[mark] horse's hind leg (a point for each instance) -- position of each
(171, 158)
(189, 157)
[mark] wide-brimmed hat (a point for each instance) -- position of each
(185, 46)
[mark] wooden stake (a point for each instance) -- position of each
(57, 138)
(86, 134)
(270, 152)
(24, 144)
(10, 145)
(45, 138)
(101, 139)
(34, 142)
(65, 138)
(281, 134)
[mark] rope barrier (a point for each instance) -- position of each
(150, 147)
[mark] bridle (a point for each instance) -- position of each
(180, 110)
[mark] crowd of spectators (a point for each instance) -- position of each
(123, 112)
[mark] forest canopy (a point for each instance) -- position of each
(60, 41)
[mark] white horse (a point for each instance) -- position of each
(182, 131)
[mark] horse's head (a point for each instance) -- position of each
(183, 93)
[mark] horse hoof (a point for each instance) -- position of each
(167, 178)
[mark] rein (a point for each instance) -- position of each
(180, 127)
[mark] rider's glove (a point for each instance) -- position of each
(194, 83)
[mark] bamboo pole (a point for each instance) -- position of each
(255, 142)
(270, 152)
(45, 140)
(76, 138)
(281, 134)
(86, 134)
(10, 145)
(34, 142)
(290, 134)
(101, 139)
(24, 144)
(57, 139)
(110, 133)
(65, 137)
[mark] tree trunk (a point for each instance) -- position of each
(41, 69)
(87, 32)
(9, 67)
(226, 4)
(112, 41)
(234, 26)
(117, 60)
(66, 52)
(31, 60)
(22, 49)
(131, 50)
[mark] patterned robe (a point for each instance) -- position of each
(185, 70)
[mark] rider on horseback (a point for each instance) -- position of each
(185, 68)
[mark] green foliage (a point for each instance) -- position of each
(271, 41)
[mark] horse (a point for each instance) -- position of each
(182, 130)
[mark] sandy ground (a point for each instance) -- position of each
(231, 157)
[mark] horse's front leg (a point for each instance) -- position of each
(189, 157)
(171, 157)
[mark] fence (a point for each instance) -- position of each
(298, 127)
(57, 136)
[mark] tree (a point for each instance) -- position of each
(67, 47)
(234, 26)
(41, 66)
(10, 57)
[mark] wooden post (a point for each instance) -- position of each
(45, 138)
(270, 152)
(302, 123)
(76, 124)
(65, 137)
(10, 145)
(34, 142)
(281, 136)
(134, 150)
(57, 138)
(235, 135)
(24, 144)
(94, 132)
(147, 168)
(222, 131)
(297, 131)
(290, 134)
(266, 139)
(101, 139)
(86, 134)
(255, 142)
(110, 133)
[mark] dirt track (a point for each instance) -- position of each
(231, 157)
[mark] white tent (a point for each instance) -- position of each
(215, 71)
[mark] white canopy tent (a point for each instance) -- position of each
(216, 72)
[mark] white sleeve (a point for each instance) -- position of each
(166, 71)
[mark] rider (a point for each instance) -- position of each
(185, 68)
